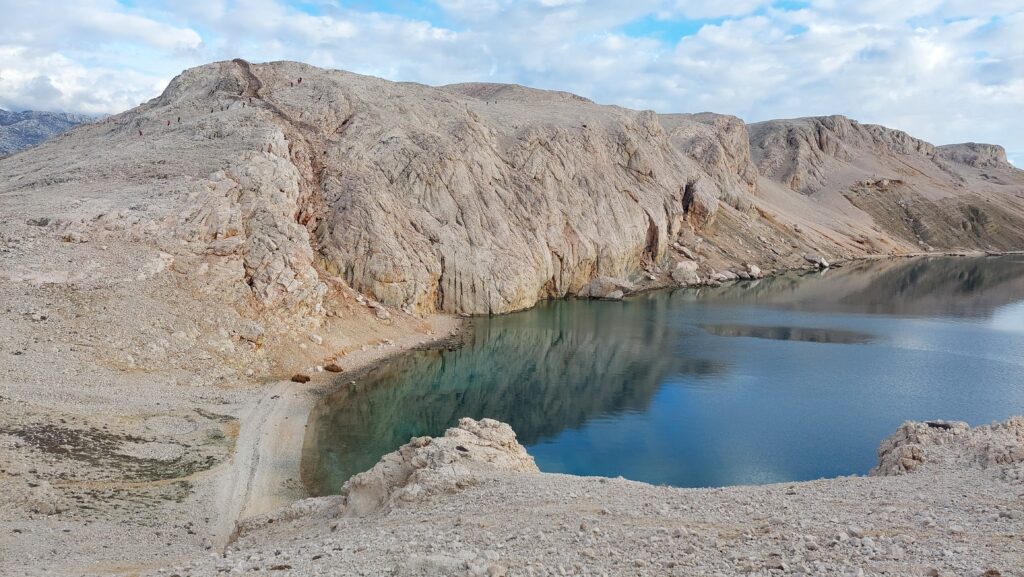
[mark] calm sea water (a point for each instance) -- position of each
(783, 379)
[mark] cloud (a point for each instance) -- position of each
(82, 25)
(945, 70)
(717, 8)
(48, 81)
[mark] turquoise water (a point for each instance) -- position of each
(783, 379)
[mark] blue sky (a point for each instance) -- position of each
(944, 70)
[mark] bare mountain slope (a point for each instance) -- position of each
(483, 198)
(961, 196)
(165, 271)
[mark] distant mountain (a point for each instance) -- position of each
(19, 130)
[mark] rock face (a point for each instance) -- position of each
(20, 130)
(495, 197)
(999, 445)
(467, 454)
(485, 198)
(802, 153)
(974, 154)
(954, 196)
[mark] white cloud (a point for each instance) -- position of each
(49, 81)
(945, 70)
(717, 8)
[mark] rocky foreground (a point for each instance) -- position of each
(945, 499)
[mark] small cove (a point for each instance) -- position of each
(783, 379)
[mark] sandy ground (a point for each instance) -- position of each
(110, 469)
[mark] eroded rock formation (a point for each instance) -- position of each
(999, 445)
(485, 198)
(465, 455)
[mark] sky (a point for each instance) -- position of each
(943, 70)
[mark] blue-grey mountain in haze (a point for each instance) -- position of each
(20, 130)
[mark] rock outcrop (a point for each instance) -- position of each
(974, 154)
(464, 456)
(999, 445)
(486, 198)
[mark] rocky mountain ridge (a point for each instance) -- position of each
(24, 129)
(299, 182)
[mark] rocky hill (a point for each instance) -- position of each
(935, 197)
(20, 130)
(166, 271)
(480, 198)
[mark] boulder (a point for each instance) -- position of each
(604, 287)
(464, 456)
(382, 312)
(685, 273)
(685, 277)
(914, 444)
(818, 261)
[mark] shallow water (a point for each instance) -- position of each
(783, 379)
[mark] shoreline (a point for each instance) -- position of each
(184, 516)
(266, 470)
(274, 435)
(940, 502)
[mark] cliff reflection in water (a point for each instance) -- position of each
(834, 336)
(924, 286)
(669, 387)
(553, 368)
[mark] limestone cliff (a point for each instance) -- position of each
(293, 183)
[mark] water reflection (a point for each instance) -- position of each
(810, 335)
(1009, 318)
(928, 286)
(657, 389)
(556, 367)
